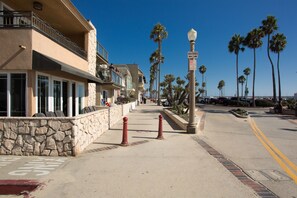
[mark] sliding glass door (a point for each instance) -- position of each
(13, 94)
(18, 94)
(3, 94)
(42, 93)
(57, 89)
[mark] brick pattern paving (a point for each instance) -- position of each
(259, 188)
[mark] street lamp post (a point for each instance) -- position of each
(192, 55)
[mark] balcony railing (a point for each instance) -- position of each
(102, 51)
(109, 76)
(116, 78)
(16, 19)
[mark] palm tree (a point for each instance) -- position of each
(157, 35)
(277, 45)
(269, 26)
(253, 41)
(221, 85)
(235, 45)
(246, 72)
(241, 80)
(202, 70)
(154, 60)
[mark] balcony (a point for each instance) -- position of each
(101, 51)
(109, 76)
(23, 20)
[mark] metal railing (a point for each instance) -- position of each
(116, 78)
(102, 51)
(109, 76)
(16, 19)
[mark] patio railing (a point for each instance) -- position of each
(102, 51)
(26, 19)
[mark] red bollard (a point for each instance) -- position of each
(160, 131)
(125, 132)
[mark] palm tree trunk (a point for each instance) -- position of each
(237, 88)
(272, 68)
(246, 82)
(241, 90)
(159, 70)
(279, 86)
(254, 78)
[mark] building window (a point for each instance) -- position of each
(81, 95)
(18, 94)
(3, 94)
(104, 97)
(57, 89)
(43, 94)
(13, 94)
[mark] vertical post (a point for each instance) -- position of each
(160, 131)
(191, 128)
(125, 132)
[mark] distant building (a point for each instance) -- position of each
(295, 96)
(137, 90)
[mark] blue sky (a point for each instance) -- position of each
(123, 27)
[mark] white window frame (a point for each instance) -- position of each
(77, 95)
(8, 88)
(61, 94)
(49, 90)
(69, 94)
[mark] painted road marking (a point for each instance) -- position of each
(288, 166)
(38, 167)
(4, 161)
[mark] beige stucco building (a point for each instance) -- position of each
(48, 58)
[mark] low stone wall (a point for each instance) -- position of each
(55, 136)
(127, 108)
(36, 136)
(116, 113)
(88, 127)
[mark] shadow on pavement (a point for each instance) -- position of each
(170, 122)
(105, 143)
(287, 129)
(216, 111)
(152, 138)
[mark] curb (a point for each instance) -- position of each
(237, 115)
(180, 121)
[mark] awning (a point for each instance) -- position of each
(44, 63)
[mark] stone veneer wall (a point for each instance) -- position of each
(128, 108)
(116, 113)
(92, 52)
(55, 136)
(88, 127)
(36, 136)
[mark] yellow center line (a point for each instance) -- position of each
(280, 158)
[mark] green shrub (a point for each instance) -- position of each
(264, 103)
(233, 103)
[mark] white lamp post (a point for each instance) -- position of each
(192, 55)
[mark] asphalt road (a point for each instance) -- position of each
(235, 139)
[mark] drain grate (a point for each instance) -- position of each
(18, 187)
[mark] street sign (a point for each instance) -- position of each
(192, 55)
(192, 64)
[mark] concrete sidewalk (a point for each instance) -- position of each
(175, 167)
